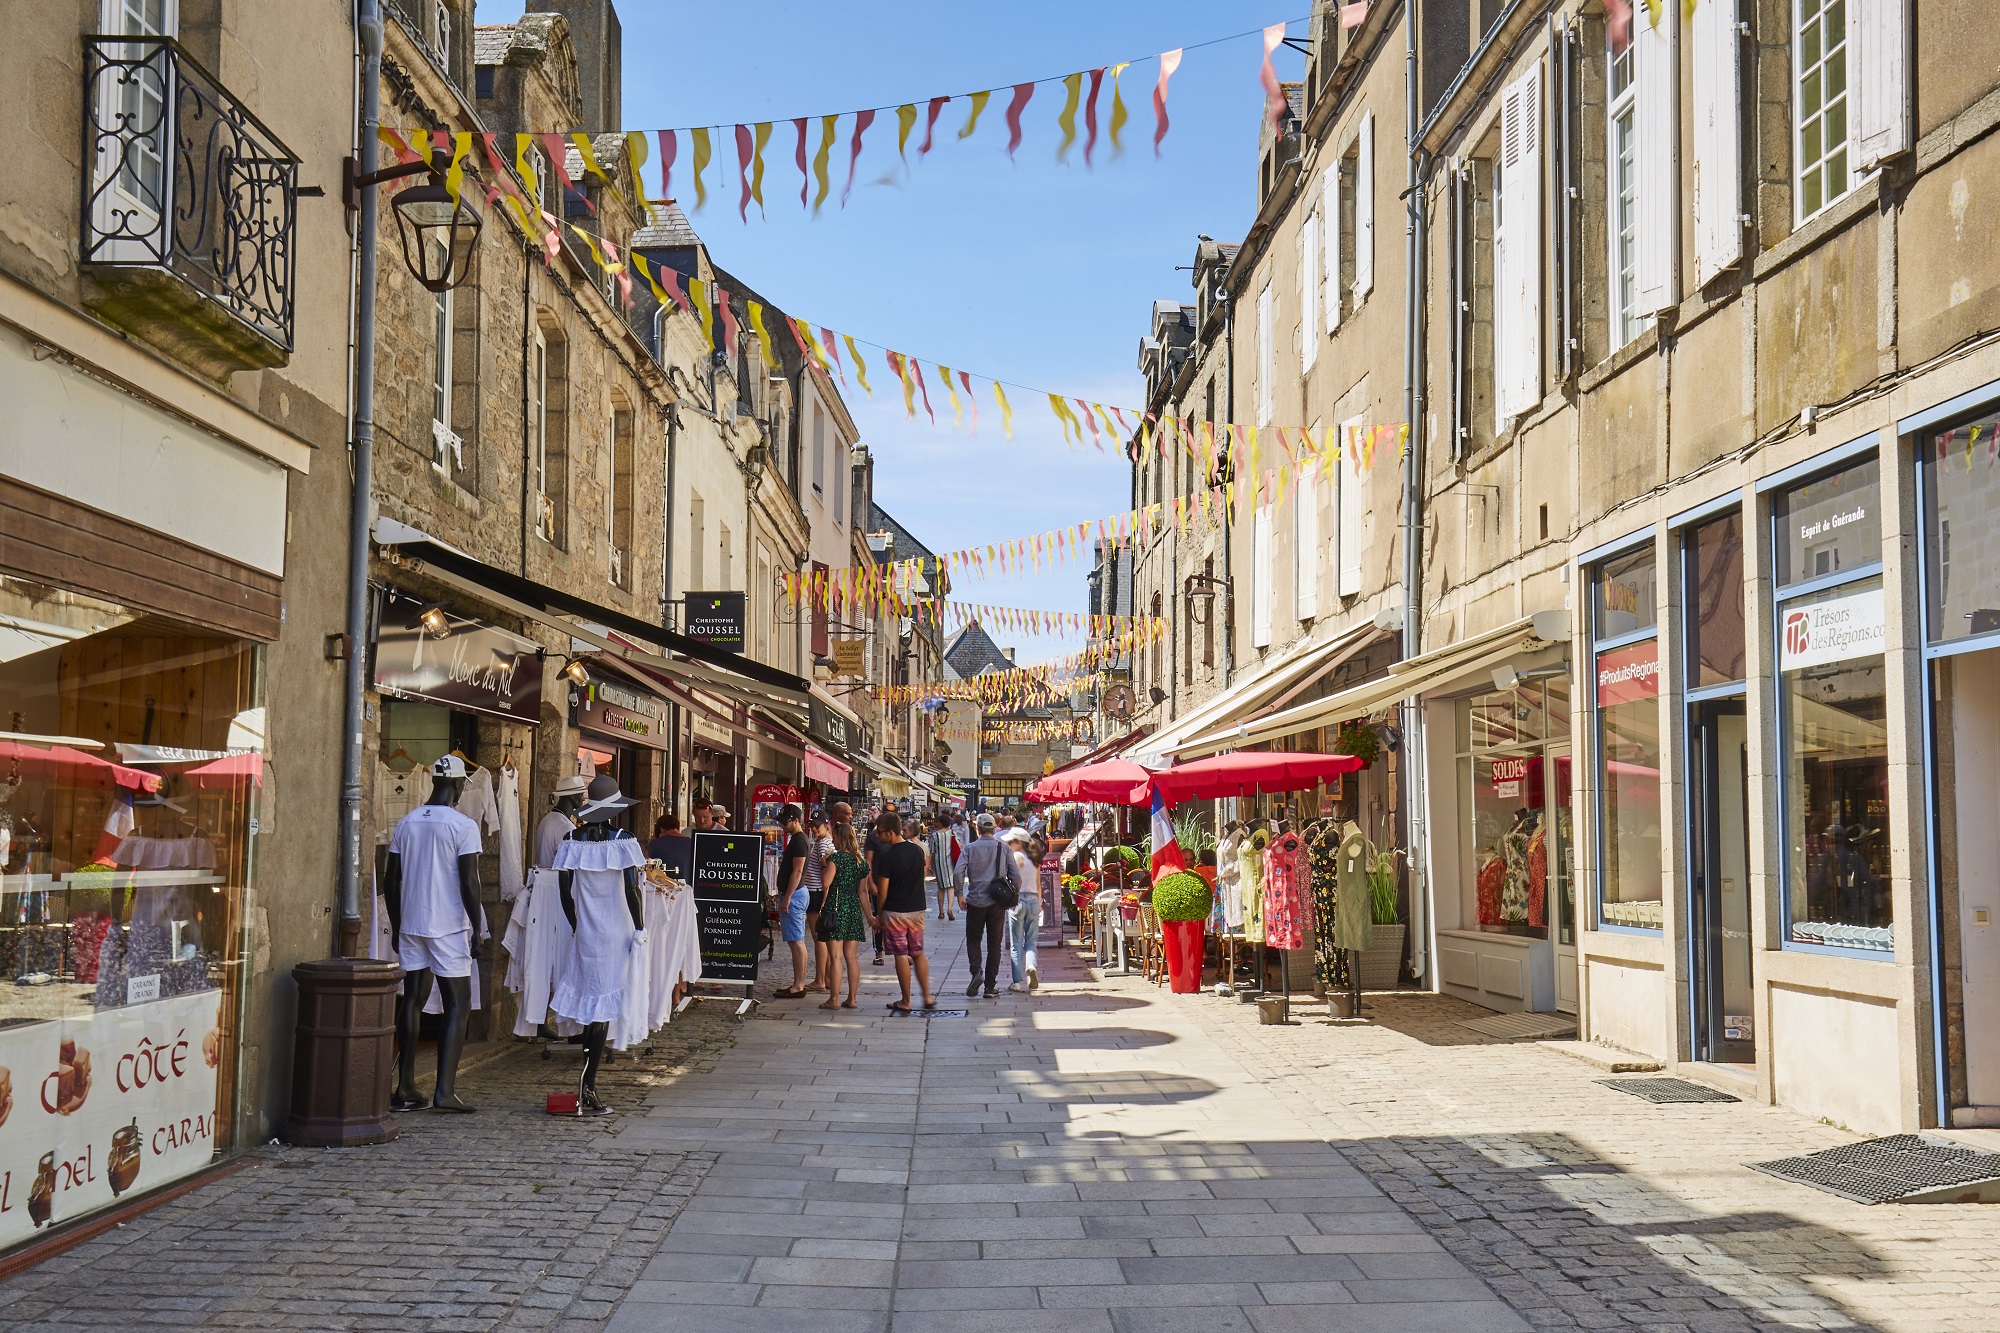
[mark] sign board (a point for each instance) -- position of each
(617, 710)
(729, 904)
(767, 792)
(716, 619)
(1629, 674)
(107, 1103)
(829, 728)
(476, 668)
(1834, 630)
(966, 787)
(850, 657)
(1516, 778)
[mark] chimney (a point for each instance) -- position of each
(1008, 653)
(599, 44)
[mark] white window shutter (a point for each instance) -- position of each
(1305, 544)
(1654, 71)
(1260, 578)
(1329, 195)
(1353, 506)
(1308, 290)
(1267, 313)
(1714, 66)
(1517, 379)
(1878, 47)
(1364, 208)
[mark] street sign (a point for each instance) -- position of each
(729, 904)
(716, 619)
(850, 657)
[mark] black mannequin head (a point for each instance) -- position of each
(570, 793)
(447, 780)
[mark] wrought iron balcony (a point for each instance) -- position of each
(190, 208)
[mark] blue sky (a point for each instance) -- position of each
(1030, 271)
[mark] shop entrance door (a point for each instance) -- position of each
(1562, 878)
(1719, 882)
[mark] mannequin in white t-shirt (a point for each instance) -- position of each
(431, 888)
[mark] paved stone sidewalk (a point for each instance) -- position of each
(507, 1219)
(1091, 1160)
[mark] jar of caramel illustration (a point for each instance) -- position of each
(123, 1164)
(42, 1198)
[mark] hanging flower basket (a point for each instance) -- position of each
(1358, 739)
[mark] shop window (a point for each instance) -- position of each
(1714, 602)
(1514, 778)
(622, 493)
(1626, 674)
(1833, 713)
(133, 776)
(1961, 480)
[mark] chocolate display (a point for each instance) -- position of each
(122, 1165)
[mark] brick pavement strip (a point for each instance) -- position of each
(507, 1219)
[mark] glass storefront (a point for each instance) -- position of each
(1516, 795)
(1833, 713)
(132, 764)
(1626, 675)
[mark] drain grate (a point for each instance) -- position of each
(1667, 1091)
(1905, 1168)
(1508, 1027)
(929, 1013)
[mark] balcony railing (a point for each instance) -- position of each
(190, 208)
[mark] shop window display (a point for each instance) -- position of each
(132, 765)
(1626, 671)
(1517, 797)
(1962, 538)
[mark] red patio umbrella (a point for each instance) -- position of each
(1247, 772)
(1115, 782)
(230, 769)
(62, 761)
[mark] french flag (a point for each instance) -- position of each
(1167, 856)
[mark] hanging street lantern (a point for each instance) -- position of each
(439, 234)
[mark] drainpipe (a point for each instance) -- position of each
(368, 22)
(1415, 763)
(1228, 547)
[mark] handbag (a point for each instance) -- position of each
(1005, 894)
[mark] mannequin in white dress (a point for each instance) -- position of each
(599, 865)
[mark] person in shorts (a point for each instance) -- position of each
(792, 896)
(897, 881)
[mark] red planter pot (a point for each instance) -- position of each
(1183, 941)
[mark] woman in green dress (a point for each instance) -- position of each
(843, 918)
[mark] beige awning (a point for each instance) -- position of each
(1413, 676)
(1296, 668)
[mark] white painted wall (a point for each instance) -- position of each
(1836, 1058)
(1628, 1007)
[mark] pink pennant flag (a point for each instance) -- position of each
(917, 370)
(1022, 92)
(930, 123)
(743, 154)
(1091, 421)
(1354, 15)
(972, 398)
(669, 146)
(1090, 114)
(1617, 24)
(862, 120)
(833, 350)
(557, 148)
(1169, 62)
(728, 312)
(1274, 96)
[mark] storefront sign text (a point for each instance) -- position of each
(474, 667)
(729, 904)
(716, 619)
(1628, 674)
(1832, 631)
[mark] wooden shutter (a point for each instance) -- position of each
(1260, 577)
(1266, 353)
(1329, 194)
(1517, 323)
(1305, 544)
(1655, 117)
(1878, 78)
(1353, 506)
(1715, 69)
(1364, 208)
(1308, 290)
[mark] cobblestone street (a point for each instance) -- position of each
(1101, 1158)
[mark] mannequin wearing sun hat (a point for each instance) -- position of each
(599, 865)
(557, 823)
(431, 888)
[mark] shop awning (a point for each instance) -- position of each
(1414, 676)
(697, 663)
(1106, 750)
(1273, 687)
(1112, 782)
(824, 769)
(894, 785)
(1249, 772)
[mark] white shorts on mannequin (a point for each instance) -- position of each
(440, 955)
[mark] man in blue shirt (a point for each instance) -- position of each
(984, 864)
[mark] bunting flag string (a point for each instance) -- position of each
(1083, 91)
(1030, 731)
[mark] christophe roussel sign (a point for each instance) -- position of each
(716, 619)
(469, 666)
(729, 904)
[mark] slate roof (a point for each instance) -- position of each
(972, 651)
(907, 546)
(671, 229)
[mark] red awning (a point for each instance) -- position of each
(823, 768)
(61, 762)
(229, 770)
(1247, 772)
(1115, 782)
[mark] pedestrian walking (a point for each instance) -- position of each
(898, 885)
(1024, 923)
(819, 850)
(792, 899)
(672, 848)
(988, 888)
(944, 866)
(843, 918)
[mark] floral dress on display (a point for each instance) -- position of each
(1287, 908)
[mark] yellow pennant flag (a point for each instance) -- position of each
(698, 293)
(828, 127)
(906, 120)
(763, 334)
(1067, 418)
(957, 410)
(702, 152)
(1073, 90)
(1006, 410)
(1118, 113)
(635, 159)
(972, 121)
(860, 366)
(763, 133)
(454, 175)
(588, 153)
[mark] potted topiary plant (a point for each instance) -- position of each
(1183, 901)
(1381, 963)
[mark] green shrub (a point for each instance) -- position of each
(1183, 896)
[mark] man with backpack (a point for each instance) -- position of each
(989, 886)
